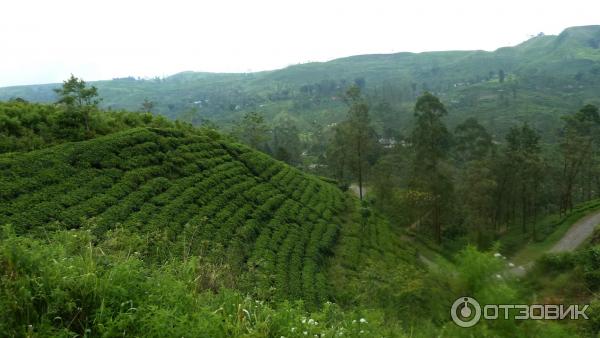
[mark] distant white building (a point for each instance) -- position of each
(388, 142)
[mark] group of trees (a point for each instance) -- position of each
(352, 147)
(579, 147)
(464, 183)
(281, 139)
(514, 182)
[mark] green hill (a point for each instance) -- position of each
(145, 215)
(166, 184)
(543, 78)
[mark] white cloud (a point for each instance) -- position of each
(45, 41)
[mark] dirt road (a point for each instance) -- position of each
(575, 236)
(578, 233)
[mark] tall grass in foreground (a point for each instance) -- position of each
(66, 286)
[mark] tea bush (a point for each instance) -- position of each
(160, 181)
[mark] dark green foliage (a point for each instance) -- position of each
(26, 126)
(430, 138)
(353, 142)
(78, 101)
(520, 171)
(286, 144)
(591, 270)
(557, 262)
(471, 141)
(252, 130)
(579, 144)
(430, 142)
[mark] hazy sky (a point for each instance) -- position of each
(45, 41)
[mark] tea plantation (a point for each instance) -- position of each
(143, 227)
(169, 185)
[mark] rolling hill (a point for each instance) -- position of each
(147, 214)
(166, 184)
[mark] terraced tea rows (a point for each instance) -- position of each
(167, 184)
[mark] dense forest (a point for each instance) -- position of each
(322, 200)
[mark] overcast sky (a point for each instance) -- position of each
(45, 41)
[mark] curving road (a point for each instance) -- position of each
(577, 234)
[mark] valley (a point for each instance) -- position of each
(359, 197)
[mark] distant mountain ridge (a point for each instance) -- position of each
(535, 81)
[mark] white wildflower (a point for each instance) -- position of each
(362, 320)
(497, 254)
(511, 264)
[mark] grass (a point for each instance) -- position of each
(66, 285)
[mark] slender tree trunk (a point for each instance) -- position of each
(534, 207)
(563, 197)
(513, 209)
(523, 208)
(86, 118)
(436, 221)
(360, 182)
(589, 179)
(342, 165)
(479, 237)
